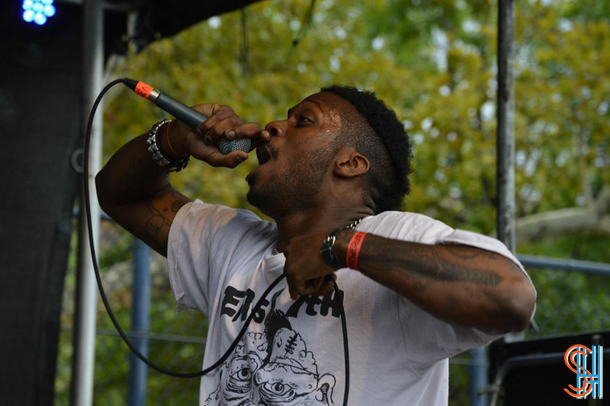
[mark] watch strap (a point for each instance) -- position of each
(327, 250)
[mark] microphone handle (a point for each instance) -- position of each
(187, 115)
(193, 118)
(182, 112)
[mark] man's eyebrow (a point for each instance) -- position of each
(317, 103)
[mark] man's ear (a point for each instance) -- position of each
(350, 163)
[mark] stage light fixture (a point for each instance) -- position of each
(38, 11)
(49, 11)
(28, 16)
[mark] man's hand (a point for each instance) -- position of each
(201, 143)
(305, 269)
(136, 192)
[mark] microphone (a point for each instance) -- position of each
(187, 115)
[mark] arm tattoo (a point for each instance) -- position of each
(427, 264)
(178, 202)
(157, 221)
(450, 270)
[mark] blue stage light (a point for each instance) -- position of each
(38, 11)
(49, 11)
(28, 16)
(40, 19)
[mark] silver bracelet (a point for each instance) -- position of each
(157, 156)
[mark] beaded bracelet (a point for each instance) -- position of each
(158, 156)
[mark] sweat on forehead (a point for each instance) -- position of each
(347, 113)
(336, 108)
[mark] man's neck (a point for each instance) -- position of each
(316, 221)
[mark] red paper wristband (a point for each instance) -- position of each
(353, 249)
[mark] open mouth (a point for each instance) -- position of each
(263, 154)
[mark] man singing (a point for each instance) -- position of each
(332, 175)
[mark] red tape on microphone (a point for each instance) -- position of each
(143, 89)
(353, 249)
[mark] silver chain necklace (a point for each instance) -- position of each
(352, 226)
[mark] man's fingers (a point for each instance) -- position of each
(216, 113)
(217, 129)
(210, 109)
(248, 130)
(230, 160)
(260, 137)
(295, 288)
(315, 284)
(293, 293)
(327, 286)
(317, 287)
(314, 287)
(301, 288)
(223, 122)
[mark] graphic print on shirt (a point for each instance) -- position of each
(272, 368)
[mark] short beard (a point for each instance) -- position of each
(295, 190)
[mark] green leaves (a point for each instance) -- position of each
(434, 63)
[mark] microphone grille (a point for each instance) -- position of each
(226, 146)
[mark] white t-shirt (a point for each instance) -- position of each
(221, 261)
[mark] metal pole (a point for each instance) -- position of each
(140, 322)
(505, 172)
(506, 125)
(86, 295)
(588, 267)
(478, 376)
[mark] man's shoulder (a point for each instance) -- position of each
(220, 218)
(199, 208)
(395, 214)
(404, 218)
(406, 225)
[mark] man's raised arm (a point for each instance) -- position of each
(135, 191)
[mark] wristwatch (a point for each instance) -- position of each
(328, 253)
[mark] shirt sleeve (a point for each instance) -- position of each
(206, 244)
(428, 339)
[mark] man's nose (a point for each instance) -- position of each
(276, 128)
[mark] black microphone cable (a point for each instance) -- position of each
(107, 304)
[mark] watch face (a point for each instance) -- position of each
(327, 253)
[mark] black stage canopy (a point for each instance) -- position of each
(159, 18)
